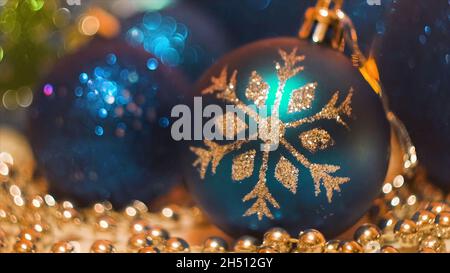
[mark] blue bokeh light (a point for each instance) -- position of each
(152, 64)
(162, 36)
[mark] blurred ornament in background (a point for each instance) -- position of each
(100, 127)
(251, 20)
(414, 63)
(178, 33)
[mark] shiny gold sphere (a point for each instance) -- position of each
(24, 246)
(278, 239)
(432, 242)
(389, 249)
(215, 245)
(139, 226)
(387, 223)
(246, 244)
(70, 215)
(159, 235)
(267, 250)
(406, 232)
(332, 246)
(41, 227)
(310, 241)
(369, 237)
(105, 223)
(437, 207)
(176, 245)
(29, 234)
(103, 246)
(350, 247)
(63, 247)
(424, 220)
(139, 241)
(149, 249)
(171, 213)
(442, 222)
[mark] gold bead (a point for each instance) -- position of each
(30, 235)
(267, 250)
(24, 246)
(215, 245)
(105, 223)
(442, 222)
(41, 227)
(387, 223)
(69, 214)
(332, 246)
(310, 241)
(149, 249)
(176, 245)
(246, 244)
(102, 246)
(437, 207)
(159, 235)
(350, 247)
(388, 249)
(139, 226)
(432, 242)
(424, 220)
(140, 240)
(171, 213)
(406, 232)
(369, 237)
(278, 239)
(63, 247)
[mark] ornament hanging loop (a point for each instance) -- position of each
(327, 23)
(322, 23)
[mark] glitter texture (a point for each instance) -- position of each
(286, 172)
(243, 165)
(316, 139)
(302, 98)
(257, 89)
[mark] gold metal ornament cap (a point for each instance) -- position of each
(323, 23)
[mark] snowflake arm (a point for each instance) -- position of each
(261, 193)
(213, 154)
(226, 90)
(329, 112)
(321, 173)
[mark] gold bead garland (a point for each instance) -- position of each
(33, 221)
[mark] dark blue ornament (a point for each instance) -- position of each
(333, 151)
(251, 20)
(181, 35)
(414, 60)
(100, 126)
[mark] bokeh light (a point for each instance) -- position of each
(162, 36)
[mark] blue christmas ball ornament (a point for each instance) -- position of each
(414, 63)
(100, 125)
(320, 151)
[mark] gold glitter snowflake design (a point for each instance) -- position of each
(285, 171)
